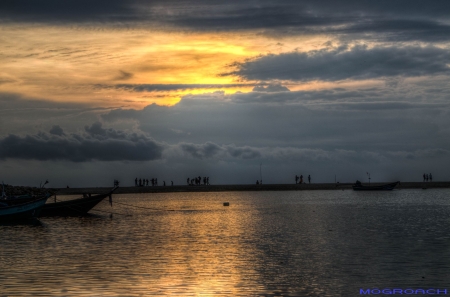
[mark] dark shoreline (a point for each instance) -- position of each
(233, 188)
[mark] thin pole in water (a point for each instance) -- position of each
(260, 172)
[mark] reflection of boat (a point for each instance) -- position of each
(21, 211)
(75, 207)
(387, 187)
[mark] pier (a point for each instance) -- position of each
(252, 187)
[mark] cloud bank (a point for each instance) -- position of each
(96, 143)
(404, 20)
(355, 63)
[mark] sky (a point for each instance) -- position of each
(92, 91)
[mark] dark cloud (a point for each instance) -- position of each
(210, 150)
(401, 106)
(20, 113)
(214, 151)
(357, 63)
(57, 130)
(245, 16)
(398, 30)
(97, 144)
(369, 119)
(434, 153)
(386, 20)
(398, 131)
(68, 11)
(394, 20)
(245, 152)
(96, 130)
(270, 88)
(201, 151)
(168, 87)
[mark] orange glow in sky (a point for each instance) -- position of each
(83, 65)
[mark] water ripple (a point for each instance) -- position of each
(307, 243)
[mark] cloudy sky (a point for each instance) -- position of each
(92, 91)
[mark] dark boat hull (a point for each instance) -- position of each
(386, 187)
(25, 211)
(76, 207)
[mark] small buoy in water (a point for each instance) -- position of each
(226, 204)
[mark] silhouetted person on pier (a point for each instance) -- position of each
(296, 179)
(188, 181)
(301, 179)
(172, 182)
(424, 176)
(140, 182)
(309, 179)
(135, 182)
(431, 178)
(257, 182)
(164, 183)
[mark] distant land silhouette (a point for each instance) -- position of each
(252, 187)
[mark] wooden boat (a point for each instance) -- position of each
(75, 207)
(387, 187)
(21, 211)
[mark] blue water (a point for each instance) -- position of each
(305, 243)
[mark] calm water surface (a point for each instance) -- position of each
(305, 243)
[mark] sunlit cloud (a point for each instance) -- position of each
(200, 82)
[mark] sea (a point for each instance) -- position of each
(286, 243)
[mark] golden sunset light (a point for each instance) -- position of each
(69, 64)
(224, 148)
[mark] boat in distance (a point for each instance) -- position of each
(22, 211)
(74, 207)
(358, 186)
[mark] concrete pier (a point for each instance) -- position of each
(252, 187)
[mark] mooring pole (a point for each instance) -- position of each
(260, 172)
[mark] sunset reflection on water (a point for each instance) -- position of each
(308, 243)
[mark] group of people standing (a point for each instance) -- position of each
(427, 177)
(142, 182)
(299, 179)
(197, 181)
